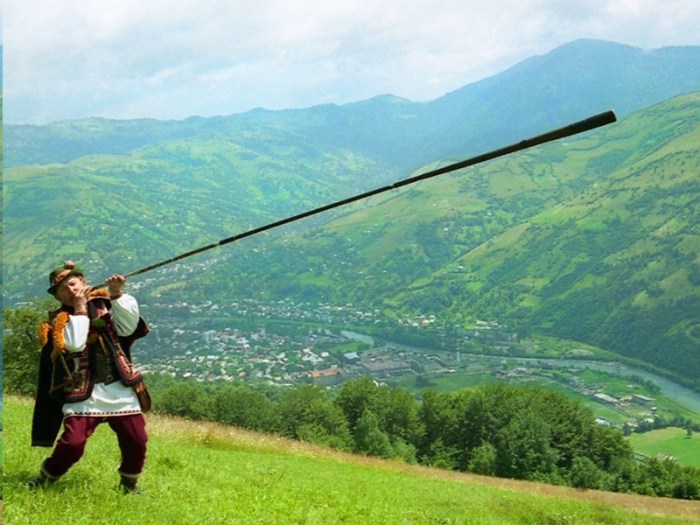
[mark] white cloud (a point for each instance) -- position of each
(176, 58)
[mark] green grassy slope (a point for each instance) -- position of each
(204, 473)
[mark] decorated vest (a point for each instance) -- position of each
(102, 360)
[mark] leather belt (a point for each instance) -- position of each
(108, 379)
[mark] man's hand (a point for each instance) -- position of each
(114, 284)
(80, 297)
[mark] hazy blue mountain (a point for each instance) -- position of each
(569, 83)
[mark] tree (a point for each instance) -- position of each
(246, 408)
(523, 447)
(687, 484)
(438, 418)
(20, 345)
(483, 460)
(400, 416)
(422, 382)
(472, 425)
(355, 396)
(606, 446)
(586, 474)
(570, 423)
(308, 414)
(369, 438)
(185, 399)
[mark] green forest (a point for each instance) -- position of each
(497, 430)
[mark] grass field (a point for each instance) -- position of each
(446, 382)
(207, 473)
(670, 441)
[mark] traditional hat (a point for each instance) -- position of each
(60, 273)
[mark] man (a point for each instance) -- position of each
(86, 376)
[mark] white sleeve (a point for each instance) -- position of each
(125, 313)
(75, 333)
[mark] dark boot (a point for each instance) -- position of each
(38, 481)
(129, 487)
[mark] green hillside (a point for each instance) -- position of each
(616, 265)
(593, 239)
(206, 473)
(146, 205)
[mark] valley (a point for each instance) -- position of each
(283, 343)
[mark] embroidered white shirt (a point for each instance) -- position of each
(114, 399)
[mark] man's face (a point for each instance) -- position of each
(68, 288)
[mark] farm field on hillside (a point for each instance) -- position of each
(670, 441)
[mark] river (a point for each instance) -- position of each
(683, 395)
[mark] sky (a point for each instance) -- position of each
(172, 59)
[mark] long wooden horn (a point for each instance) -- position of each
(595, 121)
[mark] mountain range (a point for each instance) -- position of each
(569, 83)
(593, 239)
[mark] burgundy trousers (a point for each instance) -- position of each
(131, 435)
